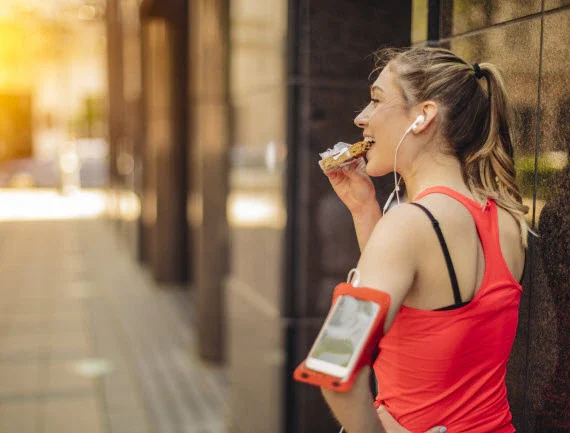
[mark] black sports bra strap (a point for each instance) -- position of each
(450, 268)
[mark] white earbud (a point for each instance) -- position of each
(419, 120)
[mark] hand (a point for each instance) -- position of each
(392, 426)
(353, 186)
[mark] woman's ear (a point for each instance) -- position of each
(429, 112)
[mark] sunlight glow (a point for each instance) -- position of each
(256, 210)
(49, 204)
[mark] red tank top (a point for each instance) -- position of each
(448, 367)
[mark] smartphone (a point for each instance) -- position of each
(342, 337)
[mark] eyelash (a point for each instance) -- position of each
(373, 101)
(362, 107)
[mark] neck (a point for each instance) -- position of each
(434, 170)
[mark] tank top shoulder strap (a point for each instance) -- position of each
(469, 203)
(485, 217)
(446, 255)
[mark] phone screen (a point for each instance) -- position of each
(344, 332)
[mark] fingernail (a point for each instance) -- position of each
(442, 429)
(381, 407)
(346, 168)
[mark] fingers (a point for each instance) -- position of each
(355, 169)
(335, 177)
(339, 174)
(356, 165)
(354, 174)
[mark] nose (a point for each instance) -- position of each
(362, 119)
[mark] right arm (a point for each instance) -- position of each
(365, 221)
(356, 190)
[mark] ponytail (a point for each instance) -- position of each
(490, 170)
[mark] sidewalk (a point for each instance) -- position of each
(88, 344)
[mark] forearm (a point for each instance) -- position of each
(365, 221)
(354, 409)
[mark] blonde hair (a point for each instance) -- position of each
(475, 119)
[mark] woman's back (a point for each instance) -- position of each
(432, 286)
(448, 367)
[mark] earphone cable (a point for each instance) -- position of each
(396, 181)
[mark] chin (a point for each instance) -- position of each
(375, 171)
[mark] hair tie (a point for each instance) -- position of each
(478, 71)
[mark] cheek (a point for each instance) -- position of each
(383, 130)
(382, 151)
(380, 161)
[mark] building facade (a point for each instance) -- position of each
(219, 109)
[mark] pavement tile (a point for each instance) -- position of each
(63, 325)
(79, 414)
(22, 325)
(129, 421)
(77, 342)
(18, 417)
(18, 344)
(80, 297)
(63, 376)
(16, 318)
(64, 304)
(21, 306)
(22, 378)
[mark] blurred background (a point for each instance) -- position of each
(168, 244)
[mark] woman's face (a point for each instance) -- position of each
(384, 120)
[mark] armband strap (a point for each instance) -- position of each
(306, 375)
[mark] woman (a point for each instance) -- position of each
(443, 126)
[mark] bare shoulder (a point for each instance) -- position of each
(402, 223)
(409, 227)
(403, 213)
(508, 225)
(394, 239)
(509, 232)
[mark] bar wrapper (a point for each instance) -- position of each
(342, 154)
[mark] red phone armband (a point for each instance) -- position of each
(304, 374)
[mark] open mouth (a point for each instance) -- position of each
(369, 140)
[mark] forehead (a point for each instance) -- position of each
(386, 81)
